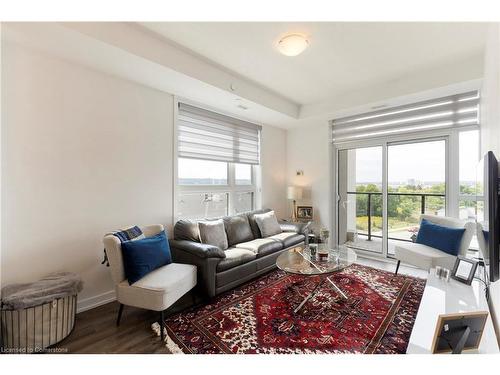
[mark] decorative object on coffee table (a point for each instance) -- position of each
(324, 235)
(313, 248)
(294, 193)
(323, 254)
(299, 261)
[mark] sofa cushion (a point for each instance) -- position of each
(187, 230)
(423, 256)
(289, 238)
(213, 233)
(235, 257)
(140, 257)
(237, 229)
(440, 237)
(261, 246)
(268, 224)
(253, 223)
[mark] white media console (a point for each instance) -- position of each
(442, 297)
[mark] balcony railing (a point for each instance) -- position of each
(369, 207)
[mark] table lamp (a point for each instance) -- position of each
(294, 193)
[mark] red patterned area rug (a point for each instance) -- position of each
(258, 317)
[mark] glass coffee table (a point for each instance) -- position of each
(300, 261)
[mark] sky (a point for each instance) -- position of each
(424, 161)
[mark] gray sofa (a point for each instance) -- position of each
(248, 255)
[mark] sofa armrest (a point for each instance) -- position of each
(301, 228)
(198, 249)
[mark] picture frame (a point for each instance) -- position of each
(459, 331)
(464, 270)
(304, 212)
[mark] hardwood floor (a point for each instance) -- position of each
(96, 332)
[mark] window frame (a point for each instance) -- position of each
(461, 197)
(231, 188)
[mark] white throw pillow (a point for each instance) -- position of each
(213, 233)
(268, 224)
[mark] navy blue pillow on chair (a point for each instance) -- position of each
(443, 238)
(140, 257)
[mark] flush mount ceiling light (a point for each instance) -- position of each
(292, 44)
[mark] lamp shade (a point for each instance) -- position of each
(294, 192)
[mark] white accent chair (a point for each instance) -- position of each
(426, 257)
(156, 291)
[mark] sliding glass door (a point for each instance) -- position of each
(360, 191)
(383, 189)
(416, 184)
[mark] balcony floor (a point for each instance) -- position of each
(374, 245)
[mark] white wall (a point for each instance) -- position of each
(490, 93)
(308, 150)
(273, 169)
(490, 128)
(84, 153)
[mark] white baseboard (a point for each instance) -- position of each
(95, 301)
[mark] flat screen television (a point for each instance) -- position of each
(488, 223)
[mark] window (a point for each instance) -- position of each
(200, 205)
(243, 174)
(213, 189)
(201, 172)
(217, 161)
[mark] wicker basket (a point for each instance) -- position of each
(35, 328)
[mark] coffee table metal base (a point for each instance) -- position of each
(316, 290)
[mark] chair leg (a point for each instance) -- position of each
(397, 267)
(120, 311)
(162, 335)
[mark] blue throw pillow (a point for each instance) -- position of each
(439, 237)
(140, 257)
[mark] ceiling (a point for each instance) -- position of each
(342, 57)
(235, 68)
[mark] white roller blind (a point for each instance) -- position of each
(208, 135)
(447, 112)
